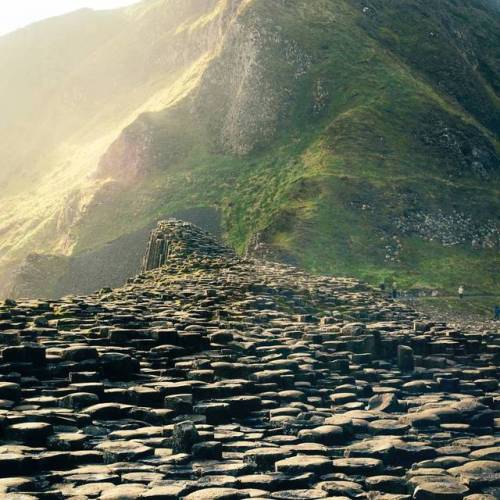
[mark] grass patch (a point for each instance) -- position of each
(363, 137)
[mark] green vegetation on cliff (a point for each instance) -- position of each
(348, 138)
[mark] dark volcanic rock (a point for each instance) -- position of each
(210, 376)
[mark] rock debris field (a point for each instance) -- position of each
(214, 377)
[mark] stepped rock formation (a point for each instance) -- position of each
(171, 239)
(215, 377)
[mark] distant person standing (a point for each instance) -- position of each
(394, 290)
(497, 313)
(461, 291)
(382, 287)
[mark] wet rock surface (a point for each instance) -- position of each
(214, 377)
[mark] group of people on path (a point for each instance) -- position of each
(461, 292)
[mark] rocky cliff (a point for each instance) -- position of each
(346, 138)
(215, 377)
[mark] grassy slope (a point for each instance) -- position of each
(363, 147)
(356, 140)
(379, 172)
(74, 82)
(470, 307)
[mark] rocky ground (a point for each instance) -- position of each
(214, 377)
(460, 319)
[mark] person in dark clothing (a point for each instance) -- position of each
(496, 310)
(394, 292)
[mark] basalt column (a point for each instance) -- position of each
(157, 251)
(177, 239)
(215, 377)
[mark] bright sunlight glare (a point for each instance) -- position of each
(15, 14)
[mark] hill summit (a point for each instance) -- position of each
(216, 377)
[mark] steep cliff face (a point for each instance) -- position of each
(96, 73)
(344, 137)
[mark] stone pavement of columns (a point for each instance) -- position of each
(214, 377)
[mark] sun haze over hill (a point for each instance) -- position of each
(345, 137)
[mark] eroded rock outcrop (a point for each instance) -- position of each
(177, 240)
(219, 377)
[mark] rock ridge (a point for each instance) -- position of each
(176, 239)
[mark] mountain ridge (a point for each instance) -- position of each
(321, 126)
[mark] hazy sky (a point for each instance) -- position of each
(15, 14)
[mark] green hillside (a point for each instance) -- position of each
(347, 138)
